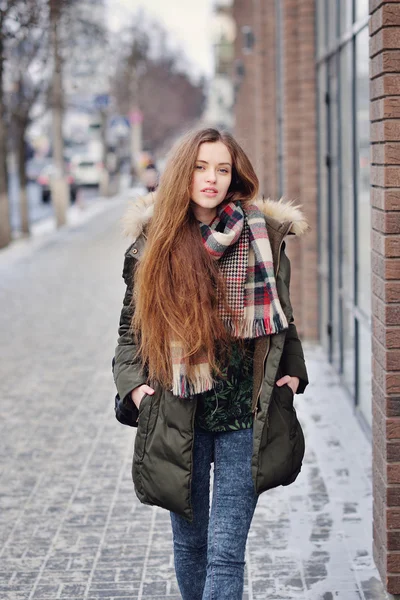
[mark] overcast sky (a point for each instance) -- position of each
(188, 21)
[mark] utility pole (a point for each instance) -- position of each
(23, 195)
(104, 182)
(58, 184)
(21, 118)
(135, 114)
(136, 119)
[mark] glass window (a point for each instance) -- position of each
(332, 21)
(346, 169)
(344, 196)
(348, 359)
(334, 209)
(346, 15)
(347, 216)
(364, 371)
(323, 207)
(363, 175)
(362, 9)
(321, 27)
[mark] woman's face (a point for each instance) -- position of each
(211, 179)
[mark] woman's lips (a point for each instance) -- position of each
(209, 192)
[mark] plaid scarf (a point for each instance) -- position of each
(242, 247)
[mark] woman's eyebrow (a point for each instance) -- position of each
(223, 163)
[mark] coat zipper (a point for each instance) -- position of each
(255, 403)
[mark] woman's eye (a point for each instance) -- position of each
(224, 171)
(199, 167)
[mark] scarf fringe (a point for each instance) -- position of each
(254, 328)
(185, 388)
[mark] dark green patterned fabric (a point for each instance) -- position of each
(227, 407)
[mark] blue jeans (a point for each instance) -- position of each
(209, 552)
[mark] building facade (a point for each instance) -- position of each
(317, 106)
(220, 99)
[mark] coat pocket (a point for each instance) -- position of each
(282, 444)
(143, 426)
(297, 452)
(296, 436)
(286, 399)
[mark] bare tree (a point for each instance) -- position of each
(163, 90)
(27, 53)
(59, 185)
(67, 25)
(16, 17)
(5, 226)
(171, 102)
(39, 34)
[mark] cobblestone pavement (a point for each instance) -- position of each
(71, 526)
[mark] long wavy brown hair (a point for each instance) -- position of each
(177, 283)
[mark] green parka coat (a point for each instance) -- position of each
(162, 461)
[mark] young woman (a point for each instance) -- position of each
(208, 358)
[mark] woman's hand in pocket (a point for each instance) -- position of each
(138, 393)
(292, 382)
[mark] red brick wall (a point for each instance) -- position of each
(308, 305)
(269, 127)
(258, 115)
(256, 127)
(259, 88)
(245, 113)
(385, 197)
(255, 109)
(291, 140)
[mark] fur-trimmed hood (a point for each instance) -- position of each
(141, 210)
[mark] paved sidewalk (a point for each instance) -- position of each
(71, 527)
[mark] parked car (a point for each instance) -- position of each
(44, 181)
(86, 170)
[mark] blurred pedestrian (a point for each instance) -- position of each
(208, 359)
(150, 177)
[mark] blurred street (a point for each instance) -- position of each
(38, 210)
(71, 526)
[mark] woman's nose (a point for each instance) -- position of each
(211, 176)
